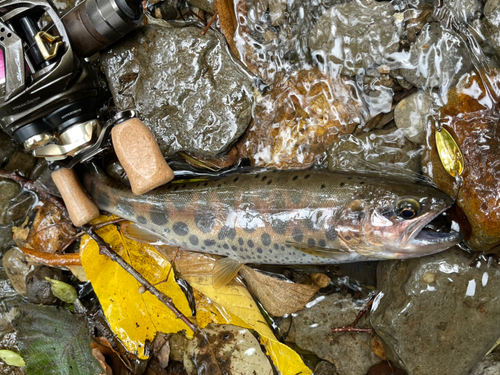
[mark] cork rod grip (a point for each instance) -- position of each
(80, 208)
(140, 156)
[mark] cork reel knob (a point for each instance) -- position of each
(140, 156)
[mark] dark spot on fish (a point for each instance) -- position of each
(331, 234)
(279, 226)
(342, 184)
(349, 178)
(265, 239)
(204, 218)
(288, 246)
(228, 232)
(314, 221)
(234, 248)
(102, 200)
(257, 175)
(198, 184)
(225, 246)
(219, 186)
(205, 183)
(322, 243)
(264, 178)
(219, 246)
(176, 187)
(209, 242)
(295, 178)
(259, 250)
(183, 186)
(240, 241)
(124, 208)
(282, 248)
(203, 247)
(193, 239)
(184, 245)
(276, 246)
(159, 218)
(347, 238)
(297, 235)
(141, 219)
(307, 176)
(323, 186)
(236, 179)
(166, 230)
(250, 243)
(180, 228)
(311, 242)
(259, 257)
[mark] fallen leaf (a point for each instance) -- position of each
(227, 21)
(233, 304)
(300, 117)
(204, 359)
(278, 297)
(54, 339)
(133, 317)
(12, 358)
(62, 290)
(100, 357)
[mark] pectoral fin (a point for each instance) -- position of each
(140, 234)
(224, 271)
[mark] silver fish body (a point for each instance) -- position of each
(286, 217)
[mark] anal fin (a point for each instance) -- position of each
(224, 271)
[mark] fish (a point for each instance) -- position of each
(284, 217)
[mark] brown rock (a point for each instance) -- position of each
(300, 118)
(472, 116)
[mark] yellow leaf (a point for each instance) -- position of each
(133, 317)
(233, 304)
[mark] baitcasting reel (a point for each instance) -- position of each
(48, 91)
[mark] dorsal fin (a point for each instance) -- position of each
(224, 271)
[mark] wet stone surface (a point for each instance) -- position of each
(411, 115)
(438, 314)
(187, 88)
(492, 23)
(489, 365)
(312, 330)
(38, 288)
(438, 58)
(355, 42)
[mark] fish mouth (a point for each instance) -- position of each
(429, 241)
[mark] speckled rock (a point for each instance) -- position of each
(472, 117)
(489, 365)
(411, 115)
(16, 266)
(186, 86)
(437, 58)
(350, 352)
(38, 289)
(355, 35)
(492, 23)
(438, 314)
(378, 150)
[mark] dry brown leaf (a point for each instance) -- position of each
(100, 357)
(278, 297)
(227, 20)
(50, 230)
(300, 118)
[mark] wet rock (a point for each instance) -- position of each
(411, 115)
(16, 266)
(38, 289)
(300, 117)
(8, 191)
(206, 5)
(385, 368)
(6, 235)
(438, 58)
(7, 147)
(471, 116)
(312, 330)
(235, 349)
(492, 23)
(489, 365)
(325, 368)
(438, 314)
(355, 35)
(464, 10)
(186, 86)
(379, 150)
(21, 162)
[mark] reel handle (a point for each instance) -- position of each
(80, 207)
(140, 156)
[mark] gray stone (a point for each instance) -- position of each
(8, 191)
(489, 365)
(411, 115)
(355, 35)
(186, 86)
(38, 288)
(350, 352)
(491, 27)
(6, 235)
(206, 5)
(325, 368)
(21, 162)
(437, 58)
(379, 150)
(438, 314)
(16, 266)
(7, 148)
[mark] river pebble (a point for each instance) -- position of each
(16, 266)
(411, 116)
(492, 23)
(438, 314)
(489, 365)
(186, 86)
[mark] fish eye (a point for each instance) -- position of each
(407, 208)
